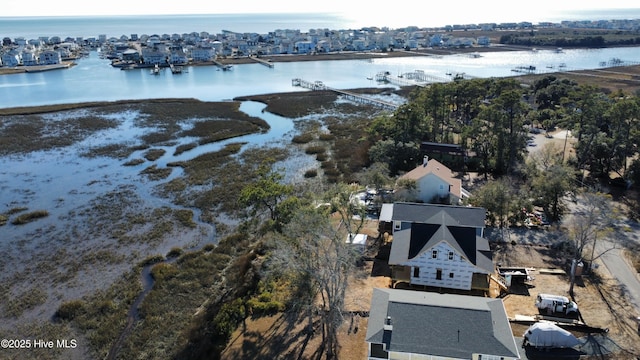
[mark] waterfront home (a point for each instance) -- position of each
(203, 53)
(286, 47)
(304, 47)
(359, 44)
(323, 46)
(29, 57)
(152, 56)
(439, 246)
(178, 57)
(406, 324)
(131, 55)
(11, 58)
(49, 57)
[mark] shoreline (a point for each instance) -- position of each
(282, 58)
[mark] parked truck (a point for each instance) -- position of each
(556, 305)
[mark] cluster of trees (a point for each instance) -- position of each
(492, 120)
(305, 231)
(485, 116)
(527, 40)
(567, 40)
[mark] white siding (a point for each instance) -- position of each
(430, 186)
(459, 266)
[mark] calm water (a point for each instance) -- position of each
(93, 79)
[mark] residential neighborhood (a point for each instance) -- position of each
(195, 47)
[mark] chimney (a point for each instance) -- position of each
(425, 160)
(387, 324)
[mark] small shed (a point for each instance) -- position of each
(515, 275)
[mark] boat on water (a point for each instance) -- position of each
(175, 69)
(155, 70)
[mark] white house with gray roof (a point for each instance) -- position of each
(405, 324)
(439, 246)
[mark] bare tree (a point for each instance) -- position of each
(315, 251)
(592, 219)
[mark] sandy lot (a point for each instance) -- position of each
(600, 299)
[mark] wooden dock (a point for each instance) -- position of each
(222, 66)
(358, 98)
(40, 68)
(266, 63)
(415, 78)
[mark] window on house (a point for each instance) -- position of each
(450, 255)
(416, 272)
(451, 275)
(438, 274)
(434, 254)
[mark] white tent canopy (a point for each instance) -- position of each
(548, 335)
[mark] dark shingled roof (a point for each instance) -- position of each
(452, 215)
(440, 324)
(434, 223)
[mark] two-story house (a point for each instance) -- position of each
(50, 57)
(439, 246)
(435, 183)
(406, 324)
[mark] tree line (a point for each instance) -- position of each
(493, 121)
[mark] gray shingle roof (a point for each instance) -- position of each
(432, 224)
(440, 324)
(452, 215)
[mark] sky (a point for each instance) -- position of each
(406, 11)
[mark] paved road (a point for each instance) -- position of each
(614, 261)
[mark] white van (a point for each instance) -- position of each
(556, 304)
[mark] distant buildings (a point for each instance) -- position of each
(204, 46)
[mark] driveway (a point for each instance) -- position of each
(557, 137)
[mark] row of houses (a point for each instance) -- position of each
(37, 52)
(204, 46)
(443, 300)
(288, 41)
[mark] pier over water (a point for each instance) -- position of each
(319, 86)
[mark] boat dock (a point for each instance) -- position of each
(415, 78)
(266, 63)
(222, 66)
(319, 86)
(40, 68)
